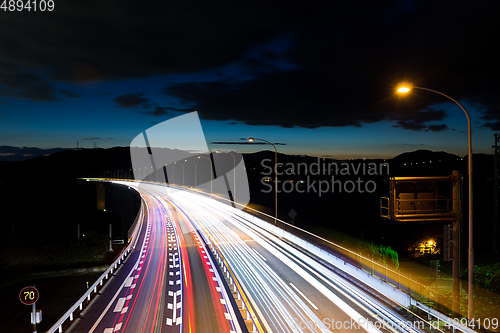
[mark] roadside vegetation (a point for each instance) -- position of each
(380, 253)
(32, 251)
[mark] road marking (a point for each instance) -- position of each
(108, 330)
(301, 294)
(119, 304)
(128, 282)
(111, 302)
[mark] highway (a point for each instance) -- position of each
(167, 283)
(289, 291)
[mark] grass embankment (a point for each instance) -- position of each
(380, 253)
(20, 260)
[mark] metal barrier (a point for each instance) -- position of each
(406, 210)
(92, 291)
(241, 295)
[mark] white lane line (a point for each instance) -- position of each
(119, 304)
(108, 330)
(304, 296)
(113, 299)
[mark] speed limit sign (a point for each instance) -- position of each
(29, 295)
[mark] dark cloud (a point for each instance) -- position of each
(437, 128)
(157, 112)
(122, 40)
(18, 83)
(131, 100)
(279, 98)
(346, 58)
(70, 94)
(492, 115)
(417, 121)
(348, 62)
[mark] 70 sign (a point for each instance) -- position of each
(29, 295)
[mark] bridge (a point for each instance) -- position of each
(195, 263)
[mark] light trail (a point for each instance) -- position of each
(289, 290)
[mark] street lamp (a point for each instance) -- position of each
(275, 177)
(211, 172)
(405, 87)
(194, 171)
(234, 174)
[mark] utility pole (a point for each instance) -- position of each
(457, 209)
(495, 197)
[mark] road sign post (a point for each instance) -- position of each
(29, 296)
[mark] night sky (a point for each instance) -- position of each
(317, 76)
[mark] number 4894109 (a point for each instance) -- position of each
(27, 5)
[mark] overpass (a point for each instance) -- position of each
(194, 263)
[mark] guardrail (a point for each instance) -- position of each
(438, 315)
(241, 295)
(92, 291)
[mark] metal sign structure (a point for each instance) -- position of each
(416, 199)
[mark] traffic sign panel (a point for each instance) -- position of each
(28, 295)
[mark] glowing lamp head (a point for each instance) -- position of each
(404, 87)
(250, 139)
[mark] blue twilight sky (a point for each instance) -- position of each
(317, 77)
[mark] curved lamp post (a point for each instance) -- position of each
(404, 87)
(275, 177)
(211, 172)
(194, 171)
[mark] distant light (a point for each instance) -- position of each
(250, 139)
